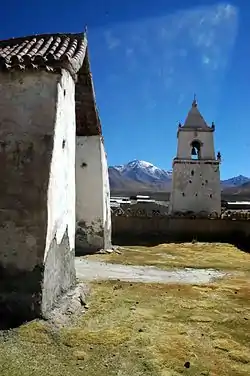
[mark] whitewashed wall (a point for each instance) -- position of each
(106, 200)
(61, 192)
(92, 193)
(37, 189)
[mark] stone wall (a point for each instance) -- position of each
(196, 187)
(36, 128)
(92, 195)
(159, 229)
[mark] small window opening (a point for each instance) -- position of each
(192, 172)
(63, 144)
(195, 150)
(190, 181)
(196, 194)
(183, 194)
(211, 196)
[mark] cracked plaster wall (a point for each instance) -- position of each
(36, 113)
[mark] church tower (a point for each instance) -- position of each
(196, 174)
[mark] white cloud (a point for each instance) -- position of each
(210, 30)
(215, 34)
(205, 59)
(111, 41)
(180, 53)
(181, 98)
(224, 12)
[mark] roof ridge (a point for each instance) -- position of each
(82, 34)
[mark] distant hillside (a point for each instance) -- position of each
(143, 177)
(139, 176)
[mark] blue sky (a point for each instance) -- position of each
(148, 59)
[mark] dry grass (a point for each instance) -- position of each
(147, 329)
(142, 330)
(168, 256)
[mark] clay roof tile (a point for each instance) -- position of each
(46, 51)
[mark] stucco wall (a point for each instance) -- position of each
(28, 112)
(61, 190)
(106, 200)
(92, 194)
(60, 239)
(185, 138)
(196, 187)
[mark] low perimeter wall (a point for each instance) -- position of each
(140, 230)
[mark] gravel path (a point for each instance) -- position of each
(94, 270)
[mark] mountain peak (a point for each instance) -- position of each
(138, 161)
(144, 175)
(143, 172)
(140, 164)
(236, 180)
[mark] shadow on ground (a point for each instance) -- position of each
(82, 251)
(239, 240)
(10, 319)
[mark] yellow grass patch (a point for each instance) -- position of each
(174, 255)
(133, 329)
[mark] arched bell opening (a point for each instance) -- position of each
(196, 150)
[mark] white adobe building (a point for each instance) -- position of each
(196, 173)
(53, 169)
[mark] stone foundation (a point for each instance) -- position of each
(20, 295)
(59, 273)
(25, 295)
(89, 238)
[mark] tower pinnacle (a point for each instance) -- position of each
(194, 104)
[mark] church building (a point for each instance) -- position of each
(196, 170)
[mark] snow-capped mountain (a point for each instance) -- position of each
(139, 176)
(144, 172)
(142, 176)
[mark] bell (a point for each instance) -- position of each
(194, 151)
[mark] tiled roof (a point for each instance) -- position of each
(51, 52)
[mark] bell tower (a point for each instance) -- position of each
(196, 170)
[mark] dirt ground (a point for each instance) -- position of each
(95, 270)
